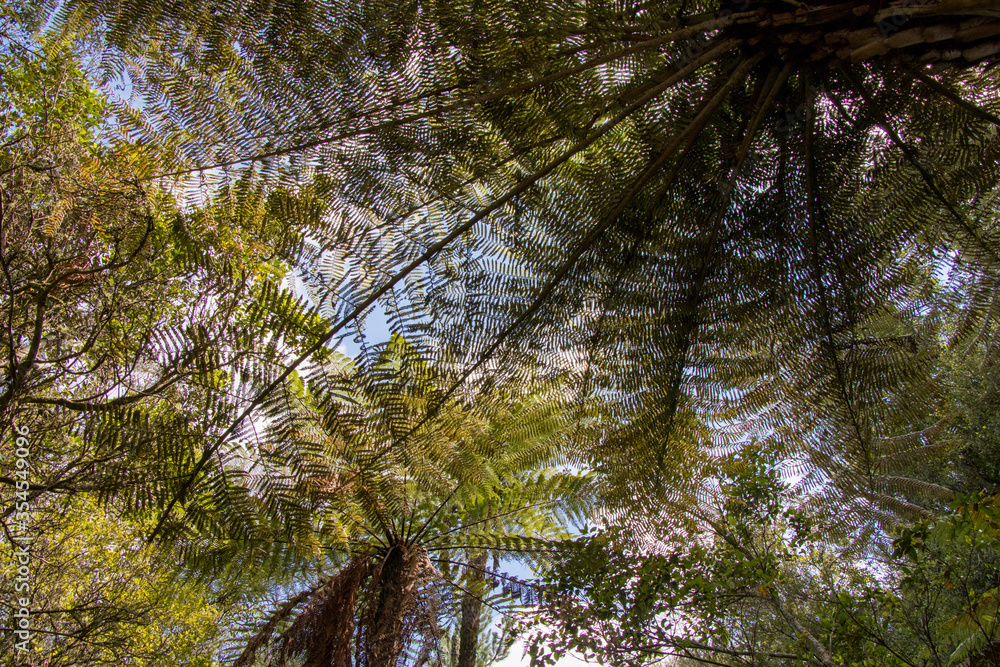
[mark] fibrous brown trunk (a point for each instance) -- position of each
(394, 584)
(472, 607)
(322, 633)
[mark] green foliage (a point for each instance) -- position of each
(711, 578)
(978, 397)
(133, 331)
(101, 595)
(47, 100)
(756, 579)
(370, 480)
(701, 213)
(728, 245)
(958, 554)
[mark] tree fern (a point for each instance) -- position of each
(352, 476)
(674, 205)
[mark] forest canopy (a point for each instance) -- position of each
(406, 333)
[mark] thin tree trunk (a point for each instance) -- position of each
(819, 651)
(472, 607)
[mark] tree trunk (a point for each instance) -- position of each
(819, 651)
(395, 586)
(472, 607)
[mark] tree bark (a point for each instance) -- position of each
(396, 584)
(819, 651)
(472, 607)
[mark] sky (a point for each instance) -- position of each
(516, 659)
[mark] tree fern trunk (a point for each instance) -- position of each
(396, 584)
(472, 607)
(951, 32)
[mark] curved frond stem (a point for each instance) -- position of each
(386, 525)
(768, 92)
(493, 517)
(679, 34)
(690, 133)
(403, 517)
(886, 125)
(526, 183)
(484, 570)
(469, 181)
(709, 56)
(814, 214)
(375, 536)
(491, 547)
(466, 591)
(597, 337)
(950, 94)
(420, 531)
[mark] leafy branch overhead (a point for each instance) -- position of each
(716, 279)
(698, 210)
